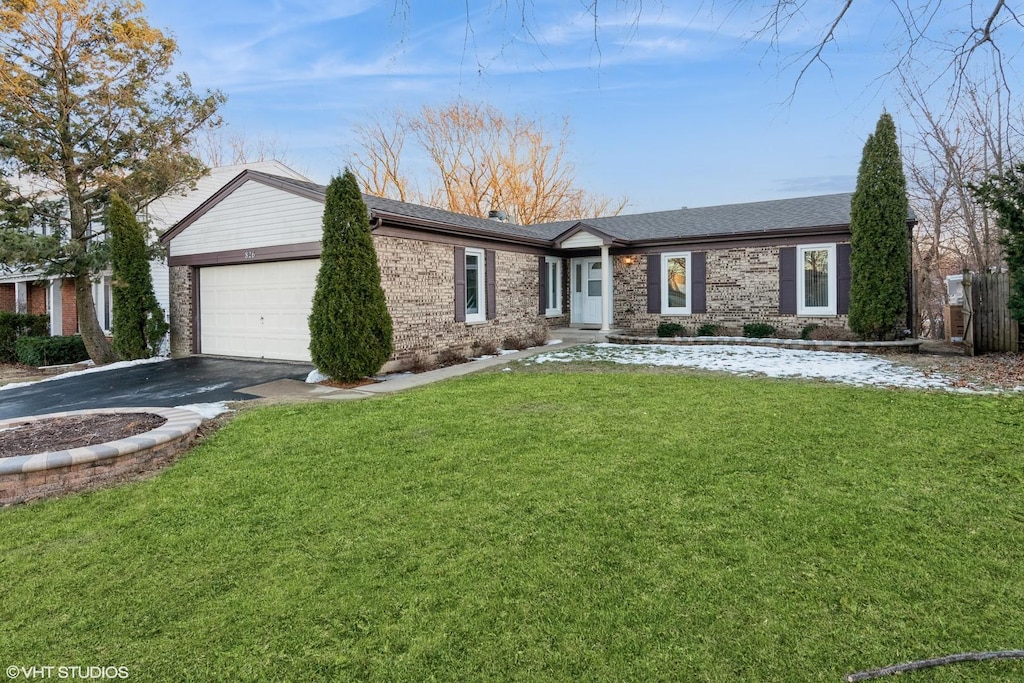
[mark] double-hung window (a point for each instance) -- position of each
(676, 286)
(476, 296)
(816, 279)
(553, 294)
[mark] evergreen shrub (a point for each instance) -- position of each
(758, 330)
(16, 325)
(40, 351)
(671, 330)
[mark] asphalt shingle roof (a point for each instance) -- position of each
(753, 217)
(730, 219)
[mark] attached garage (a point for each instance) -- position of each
(257, 310)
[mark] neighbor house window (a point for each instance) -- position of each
(476, 299)
(676, 292)
(554, 286)
(816, 279)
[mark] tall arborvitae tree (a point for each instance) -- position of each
(349, 327)
(1005, 194)
(139, 325)
(880, 257)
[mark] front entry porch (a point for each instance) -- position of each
(590, 287)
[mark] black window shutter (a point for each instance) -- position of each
(654, 283)
(542, 285)
(843, 277)
(698, 287)
(492, 298)
(460, 284)
(787, 281)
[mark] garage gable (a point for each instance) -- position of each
(249, 216)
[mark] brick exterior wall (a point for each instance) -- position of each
(7, 298)
(68, 308)
(742, 287)
(419, 284)
(418, 279)
(180, 315)
(36, 299)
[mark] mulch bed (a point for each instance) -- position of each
(62, 433)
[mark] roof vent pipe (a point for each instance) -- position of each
(496, 215)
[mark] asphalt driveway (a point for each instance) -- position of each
(171, 383)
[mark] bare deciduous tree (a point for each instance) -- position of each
(946, 150)
(479, 159)
(217, 148)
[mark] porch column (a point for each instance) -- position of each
(606, 286)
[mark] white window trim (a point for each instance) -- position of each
(676, 310)
(481, 286)
(557, 309)
(833, 286)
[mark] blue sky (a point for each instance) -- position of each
(683, 109)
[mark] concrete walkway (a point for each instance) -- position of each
(290, 389)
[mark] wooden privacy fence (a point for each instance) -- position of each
(988, 326)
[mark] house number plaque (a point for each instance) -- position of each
(248, 255)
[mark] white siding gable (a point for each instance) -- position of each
(582, 239)
(254, 215)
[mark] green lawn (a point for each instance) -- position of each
(535, 526)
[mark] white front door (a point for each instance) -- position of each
(586, 291)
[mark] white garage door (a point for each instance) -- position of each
(257, 310)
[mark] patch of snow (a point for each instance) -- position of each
(505, 352)
(101, 368)
(315, 377)
(207, 411)
(860, 369)
(506, 369)
(552, 342)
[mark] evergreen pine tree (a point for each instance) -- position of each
(880, 255)
(138, 322)
(1005, 194)
(349, 327)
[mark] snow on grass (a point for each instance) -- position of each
(101, 368)
(860, 369)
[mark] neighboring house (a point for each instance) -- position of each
(30, 292)
(243, 270)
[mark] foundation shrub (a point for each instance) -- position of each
(538, 336)
(16, 325)
(39, 351)
(419, 362)
(827, 333)
(451, 357)
(759, 330)
(487, 347)
(670, 330)
(710, 330)
(514, 343)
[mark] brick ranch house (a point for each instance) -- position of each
(243, 270)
